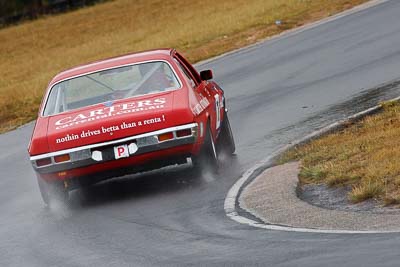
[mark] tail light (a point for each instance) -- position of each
(43, 162)
(185, 132)
(62, 158)
(165, 136)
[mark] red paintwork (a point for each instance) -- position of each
(177, 107)
(55, 131)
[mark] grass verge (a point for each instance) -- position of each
(364, 155)
(32, 53)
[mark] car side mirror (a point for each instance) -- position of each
(206, 75)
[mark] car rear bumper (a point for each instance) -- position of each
(104, 152)
(92, 174)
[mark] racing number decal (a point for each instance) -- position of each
(217, 111)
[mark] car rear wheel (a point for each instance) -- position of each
(226, 143)
(53, 191)
(207, 158)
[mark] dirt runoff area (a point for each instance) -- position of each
(274, 198)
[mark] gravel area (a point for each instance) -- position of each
(336, 198)
(272, 197)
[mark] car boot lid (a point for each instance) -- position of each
(110, 121)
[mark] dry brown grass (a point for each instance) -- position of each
(365, 155)
(33, 52)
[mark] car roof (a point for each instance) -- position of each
(156, 54)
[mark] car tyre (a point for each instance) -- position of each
(54, 191)
(207, 158)
(226, 142)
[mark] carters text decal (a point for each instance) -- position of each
(110, 111)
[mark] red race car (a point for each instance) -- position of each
(127, 114)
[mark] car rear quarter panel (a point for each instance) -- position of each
(38, 144)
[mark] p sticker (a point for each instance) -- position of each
(121, 151)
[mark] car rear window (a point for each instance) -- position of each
(111, 84)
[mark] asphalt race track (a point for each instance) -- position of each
(277, 91)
